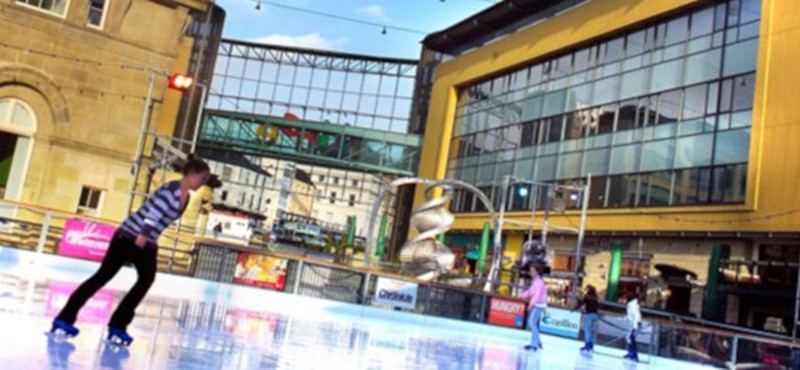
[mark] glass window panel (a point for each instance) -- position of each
(694, 151)
(582, 60)
(702, 22)
(658, 155)
(742, 119)
(579, 97)
(743, 89)
(554, 103)
(546, 168)
(726, 94)
(532, 107)
(576, 122)
(686, 186)
(677, 29)
(596, 162)
(570, 166)
(734, 11)
(612, 51)
(622, 191)
(666, 76)
(703, 67)
(720, 13)
(635, 43)
(740, 57)
(552, 129)
(654, 189)
(606, 90)
(668, 106)
(699, 44)
(732, 146)
(524, 168)
(730, 184)
(694, 102)
(627, 115)
(751, 10)
(486, 173)
(634, 83)
(625, 159)
(535, 76)
(691, 127)
(597, 193)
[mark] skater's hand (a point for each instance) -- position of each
(141, 241)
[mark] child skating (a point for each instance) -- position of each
(537, 296)
(135, 242)
(590, 303)
(635, 318)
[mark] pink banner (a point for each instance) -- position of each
(87, 240)
(96, 311)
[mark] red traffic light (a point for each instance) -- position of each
(180, 82)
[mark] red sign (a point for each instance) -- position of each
(261, 271)
(506, 312)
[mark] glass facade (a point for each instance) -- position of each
(658, 115)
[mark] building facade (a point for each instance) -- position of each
(678, 111)
(74, 77)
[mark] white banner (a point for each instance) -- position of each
(560, 322)
(396, 293)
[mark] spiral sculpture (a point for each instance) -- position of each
(429, 220)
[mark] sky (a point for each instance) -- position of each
(274, 25)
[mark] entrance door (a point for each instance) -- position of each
(17, 126)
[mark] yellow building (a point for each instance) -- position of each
(74, 76)
(681, 110)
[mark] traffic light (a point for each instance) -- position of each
(180, 82)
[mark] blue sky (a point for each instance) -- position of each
(275, 25)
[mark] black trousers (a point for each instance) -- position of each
(121, 250)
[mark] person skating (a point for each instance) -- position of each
(635, 318)
(537, 302)
(134, 241)
(590, 304)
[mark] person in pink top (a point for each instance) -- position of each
(536, 296)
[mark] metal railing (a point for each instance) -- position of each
(345, 280)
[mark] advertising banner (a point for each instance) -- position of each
(396, 293)
(561, 322)
(86, 240)
(261, 271)
(507, 312)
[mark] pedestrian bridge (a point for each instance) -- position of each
(319, 143)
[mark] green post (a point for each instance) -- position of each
(614, 271)
(441, 238)
(351, 230)
(381, 248)
(484, 247)
(712, 285)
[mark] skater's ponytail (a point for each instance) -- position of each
(195, 165)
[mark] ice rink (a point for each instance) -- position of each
(186, 323)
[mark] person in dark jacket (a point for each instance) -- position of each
(590, 304)
(135, 241)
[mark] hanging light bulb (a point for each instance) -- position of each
(258, 6)
(384, 30)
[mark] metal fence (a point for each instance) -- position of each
(664, 334)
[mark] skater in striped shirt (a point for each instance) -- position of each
(135, 242)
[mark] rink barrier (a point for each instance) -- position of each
(182, 252)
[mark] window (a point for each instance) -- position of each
(352, 201)
(97, 12)
(635, 267)
(224, 196)
(355, 183)
(333, 197)
(336, 181)
(321, 178)
(89, 203)
(227, 172)
(58, 7)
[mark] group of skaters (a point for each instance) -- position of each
(535, 262)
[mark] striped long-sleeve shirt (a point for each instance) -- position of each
(158, 212)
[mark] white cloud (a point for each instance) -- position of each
(376, 12)
(311, 40)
